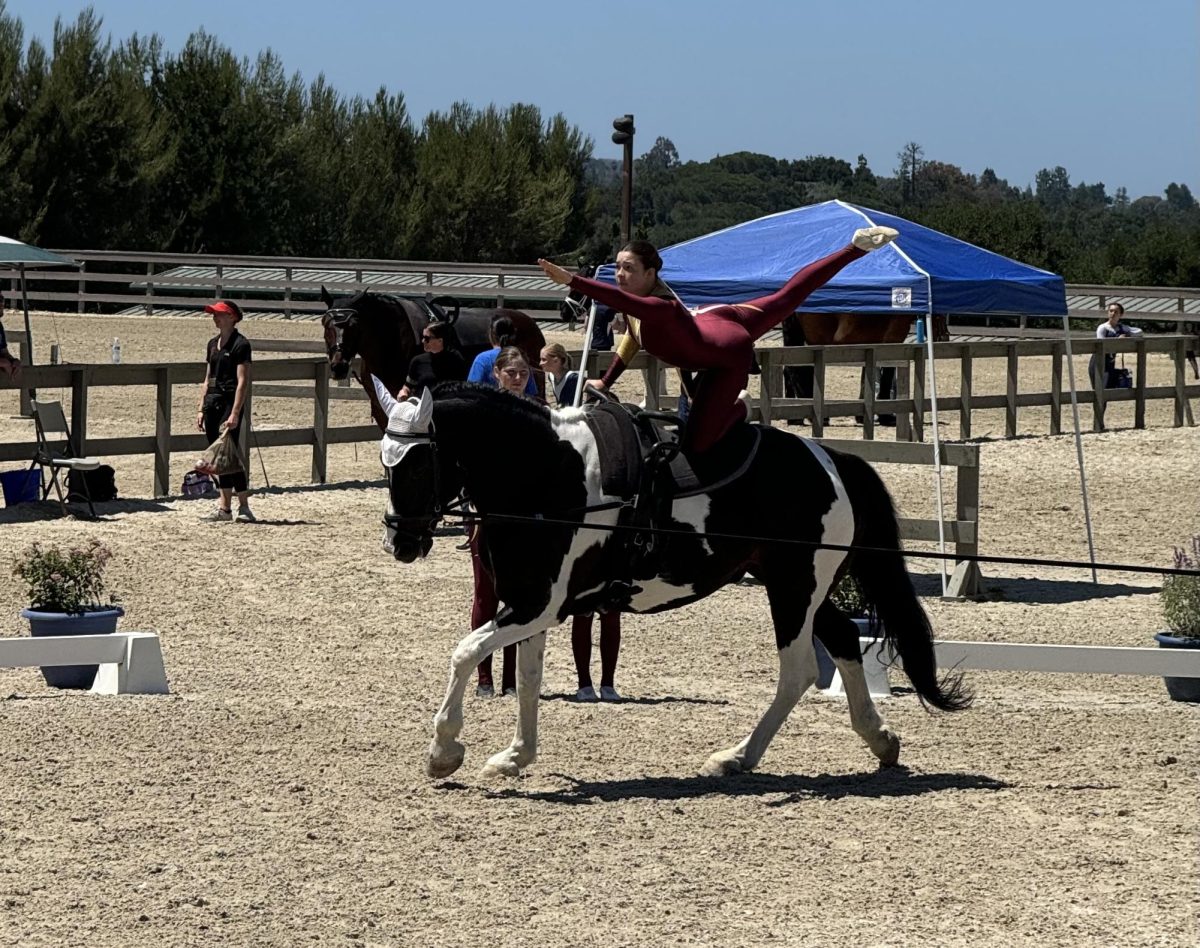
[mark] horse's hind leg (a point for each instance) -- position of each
(839, 635)
(792, 616)
(523, 750)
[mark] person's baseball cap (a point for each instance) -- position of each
(229, 307)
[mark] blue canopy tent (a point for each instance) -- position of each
(923, 270)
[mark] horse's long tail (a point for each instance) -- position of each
(886, 583)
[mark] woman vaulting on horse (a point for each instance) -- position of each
(718, 339)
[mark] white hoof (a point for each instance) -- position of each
(887, 749)
(724, 764)
(503, 764)
(872, 238)
(443, 761)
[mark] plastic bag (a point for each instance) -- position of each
(221, 457)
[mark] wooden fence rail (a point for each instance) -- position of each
(912, 409)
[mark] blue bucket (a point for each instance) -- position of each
(20, 486)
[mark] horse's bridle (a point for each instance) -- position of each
(421, 523)
(338, 320)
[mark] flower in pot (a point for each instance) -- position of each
(851, 600)
(65, 589)
(1181, 608)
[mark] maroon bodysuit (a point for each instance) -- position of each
(719, 340)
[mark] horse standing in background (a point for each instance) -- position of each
(849, 329)
(386, 330)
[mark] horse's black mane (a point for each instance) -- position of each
(371, 299)
(493, 402)
(505, 442)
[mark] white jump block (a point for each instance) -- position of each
(875, 657)
(1030, 657)
(130, 662)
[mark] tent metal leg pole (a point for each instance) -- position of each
(937, 449)
(583, 359)
(26, 393)
(1083, 490)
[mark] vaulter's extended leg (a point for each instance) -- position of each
(763, 314)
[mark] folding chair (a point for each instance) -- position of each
(56, 454)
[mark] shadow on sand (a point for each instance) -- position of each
(795, 788)
(1036, 590)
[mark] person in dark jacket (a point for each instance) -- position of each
(435, 363)
(222, 397)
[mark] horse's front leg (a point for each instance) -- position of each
(445, 752)
(522, 751)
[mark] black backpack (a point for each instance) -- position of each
(101, 484)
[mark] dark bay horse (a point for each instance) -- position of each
(548, 564)
(848, 329)
(386, 330)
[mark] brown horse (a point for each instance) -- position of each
(849, 329)
(386, 332)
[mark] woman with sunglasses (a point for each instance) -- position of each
(437, 362)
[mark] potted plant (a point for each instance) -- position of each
(65, 588)
(850, 599)
(1181, 609)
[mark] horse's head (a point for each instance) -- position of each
(415, 482)
(342, 323)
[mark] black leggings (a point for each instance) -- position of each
(217, 408)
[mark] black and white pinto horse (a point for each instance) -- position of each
(548, 565)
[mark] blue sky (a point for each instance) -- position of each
(1107, 90)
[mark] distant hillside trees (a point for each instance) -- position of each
(129, 146)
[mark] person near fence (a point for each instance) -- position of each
(222, 397)
(1111, 328)
(560, 379)
(719, 339)
(510, 373)
(437, 362)
(10, 365)
(563, 382)
(501, 333)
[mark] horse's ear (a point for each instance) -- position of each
(386, 401)
(325, 297)
(424, 409)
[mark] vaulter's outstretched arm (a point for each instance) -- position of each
(643, 307)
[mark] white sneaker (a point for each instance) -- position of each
(586, 694)
(872, 238)
(217, 515)
(245, 515)
(609, 693)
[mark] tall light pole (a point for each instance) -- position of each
(624, 136)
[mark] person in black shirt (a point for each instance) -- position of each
(437, 363)
(222, 396)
